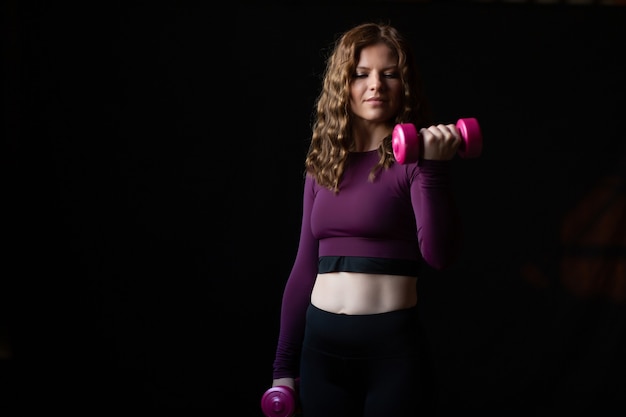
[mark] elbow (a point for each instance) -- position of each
(441, 260)
(439, 263)
(443, 252)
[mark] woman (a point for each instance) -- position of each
(349, 325)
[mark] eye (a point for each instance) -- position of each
(392, 75)
(360, 75)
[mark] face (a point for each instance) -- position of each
(375, 92)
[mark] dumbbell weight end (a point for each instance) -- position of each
(472, 145)
(279, 401)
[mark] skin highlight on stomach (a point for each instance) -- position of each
(359, 293)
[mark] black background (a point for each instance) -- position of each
(153, 158)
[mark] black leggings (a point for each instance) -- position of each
(361, 365)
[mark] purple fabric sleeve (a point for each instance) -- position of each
(438, 221)
(297, 294)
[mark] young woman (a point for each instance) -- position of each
(349, 325)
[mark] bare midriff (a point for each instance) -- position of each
(359, 293)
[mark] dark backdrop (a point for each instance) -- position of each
(153, 170)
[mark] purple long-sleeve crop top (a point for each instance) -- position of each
(407, 213)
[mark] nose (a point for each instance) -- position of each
(376, 82)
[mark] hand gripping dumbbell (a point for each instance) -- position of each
(280, 401)
(405, 140)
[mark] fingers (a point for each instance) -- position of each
(287, 382)
(440, 141)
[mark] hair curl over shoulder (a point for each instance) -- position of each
(331, 139)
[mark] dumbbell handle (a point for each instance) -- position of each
(279, 401)
(405, 140)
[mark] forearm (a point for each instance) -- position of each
(439, 222)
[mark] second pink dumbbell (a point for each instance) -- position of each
(406, 141)
(279, 401)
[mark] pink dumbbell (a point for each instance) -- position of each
(279, 401)
(406, 144)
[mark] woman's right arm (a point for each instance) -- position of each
(297, 294)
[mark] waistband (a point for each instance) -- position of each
(368, 265)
